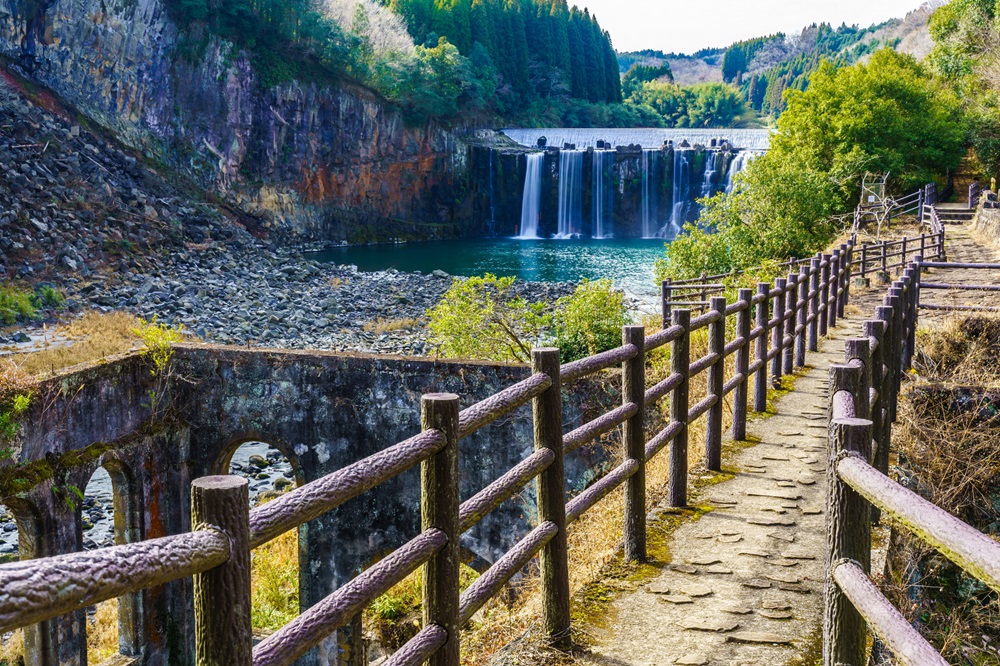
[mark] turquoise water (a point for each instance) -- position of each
(628, 262)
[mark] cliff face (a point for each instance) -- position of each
(316, 163)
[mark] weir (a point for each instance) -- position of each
(603, 190)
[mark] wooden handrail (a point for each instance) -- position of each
(863, 400)
(805, 305)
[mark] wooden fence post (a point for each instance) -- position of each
(803, 314)
(831, 306)
(923, 244)
(634, 440)
(716, 381)
(895, 301)
(814, 277)
(884, 250)
(902, 257)
(553, 562)
(680, 361)
(848, 529)
(741, 363)
(666, 293)
(791, 309)
(704, 291)
(864, 258)
(875, 330)
(778, 332)
(760, 352)
(222, 632)
(848, 265)
(825, 295)
(859, 349)
(886, 316)
(439, 501)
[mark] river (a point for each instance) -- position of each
(628, 262)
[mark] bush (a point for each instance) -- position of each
(590, 320)
(483, 318)
(49, 297)
(15, 304)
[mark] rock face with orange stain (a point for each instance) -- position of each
(313, 162)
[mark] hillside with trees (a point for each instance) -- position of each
(763, 68)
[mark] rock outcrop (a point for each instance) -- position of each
(315, 162)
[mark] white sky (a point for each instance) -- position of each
(684, 26)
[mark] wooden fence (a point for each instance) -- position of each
(864, 393)
(778, 323)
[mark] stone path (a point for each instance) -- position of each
(745, 582)
(962, 247)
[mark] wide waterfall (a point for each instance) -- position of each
(745, 139)
(570, 194)
(650, 192)
(681, 193)
(531, 202)
(603, 162)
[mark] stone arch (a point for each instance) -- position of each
(38, 650)
(225, 457)
(234, 459)
(127, 527)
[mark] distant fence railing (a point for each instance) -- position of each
(975, 192)
(864, 394)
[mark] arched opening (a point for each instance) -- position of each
(110, 515)
(20, 539)
(275, 566)
(12, 643)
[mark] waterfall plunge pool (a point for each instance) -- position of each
(628, 262)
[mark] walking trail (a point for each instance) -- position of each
(744, 585)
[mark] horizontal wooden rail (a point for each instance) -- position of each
(32, 591)
(501, 403)
(962, 287)
(663, 438)
(599, 426)
(954, 264)
(496, 493)
(312, 500)
(961, 543)
(596, 492)
(316, 623)
(419, 648)
(489, 584)
(593, 364)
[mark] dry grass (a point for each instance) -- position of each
(274, 583)
(947, 443)
(102, 632)
(380, 325)
(93, 336)
(12, 649)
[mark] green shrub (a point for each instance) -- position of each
(49, 297)
(15, 304)
(482, 318)
(590, 320)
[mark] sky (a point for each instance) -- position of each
(685, 26)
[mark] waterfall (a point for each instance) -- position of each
(681, 193)
(493, 208)
(531, 200)
(712, 158)
(570, 193)
(601, 188)
(650, 194)
(739, 162)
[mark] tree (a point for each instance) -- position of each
(888, 115)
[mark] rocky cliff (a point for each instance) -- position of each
(315, 163)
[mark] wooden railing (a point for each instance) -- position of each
(863, 397)
(895, 255)
(778, 322)
(975, 191)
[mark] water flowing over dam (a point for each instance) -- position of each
(601, 189)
